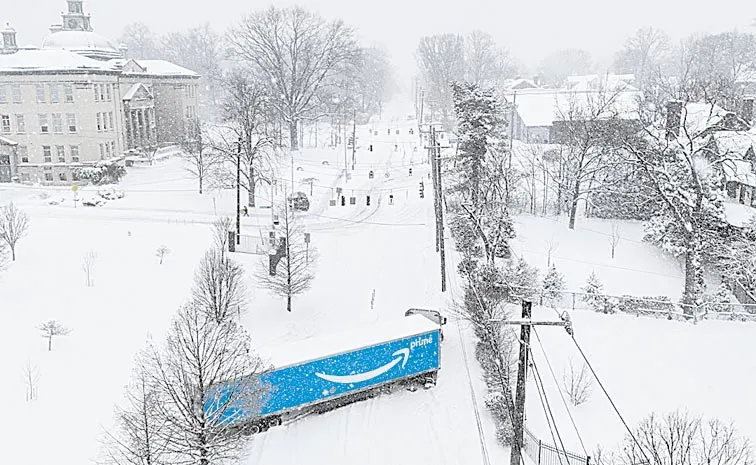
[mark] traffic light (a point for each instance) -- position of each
(422, 190)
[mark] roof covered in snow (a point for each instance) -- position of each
(739, 171)
(734, 142)
(541, 107)
(601, 81)
(84, 42)
(160, 68)
(698, 117)
(52, 60)
(60, 60)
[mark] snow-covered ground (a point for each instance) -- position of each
(386, 248)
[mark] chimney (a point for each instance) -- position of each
(674, 118)
(9, 39)
(746, 110)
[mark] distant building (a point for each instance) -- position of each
(539, 116)
(78, 100)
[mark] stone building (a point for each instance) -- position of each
(78, 101)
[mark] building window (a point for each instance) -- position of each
(68, 90)
(62, 176)
(16, 93)
(20, 124)
(112, 147)
(54, 94)
(102, 151)
(96, 88)
(3, 95)
(99, 121)
(107, 92)
(74, 175)
(110, 120)
(44, 127)
(48, 176)
(5, 123)
(71, 119)
(47, 153)
(74, 153)
(40, 93)
(23, 154)
(61, 151)
(102, 92)
(107, 149)
(57, 120)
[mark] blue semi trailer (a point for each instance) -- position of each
(323, 373)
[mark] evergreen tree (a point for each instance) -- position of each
(594, 292)
(553, 285)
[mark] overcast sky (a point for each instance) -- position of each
(530, 29)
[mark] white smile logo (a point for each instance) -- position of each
(402, 355)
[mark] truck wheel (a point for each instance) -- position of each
(254, 429)
(275, 422)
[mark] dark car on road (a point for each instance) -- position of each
(299, 201)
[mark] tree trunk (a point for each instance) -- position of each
(49, 343)
(293, 135)
(574, 205)
(692, 277)
(252, 186)
(13, 252)
(200, 171)
(288, 303)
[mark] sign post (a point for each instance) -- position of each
(75, 190)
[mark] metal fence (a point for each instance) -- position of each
(650, 307)
(545, 454)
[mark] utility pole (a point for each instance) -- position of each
(346, 170)
(512, 116)
(522, 373)
(422, 103)
(522, 369)
(238, 191)
(354, 137)
(435, 155)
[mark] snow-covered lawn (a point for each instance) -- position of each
(647, 365)
(638, 268)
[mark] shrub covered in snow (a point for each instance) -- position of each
(553, 285)
(106, 173)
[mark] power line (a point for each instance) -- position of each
(595, 375)
(548, 363)
(549, 418)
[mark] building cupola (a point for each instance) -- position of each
(9, 39)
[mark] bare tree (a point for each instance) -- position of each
(197, 151)
(141, 42)
(218, 285)
(88, 265)
(161, 252)
(31, 380)
(643, 53)
(297, 51)
(51, 329)
(614, 237)
(311, 181)
(487, 64)
(247, 133)
(441, 62)
(555, 68)
(221, 227)
(587, 125)
(200, 49)
(14, 224)
(680, 438)
(288, 271)
(141, 437)
(204, 376)
(551, 246)
(4, 256)
(577, 383)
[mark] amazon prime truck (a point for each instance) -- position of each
(320, 374)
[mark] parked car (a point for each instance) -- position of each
(299, 201)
